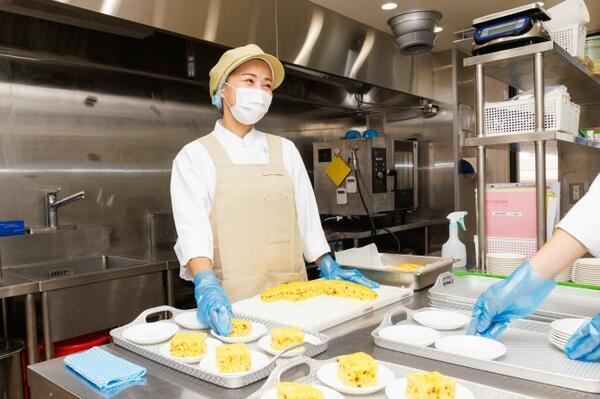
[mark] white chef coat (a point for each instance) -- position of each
(583, 220)
(193, 189)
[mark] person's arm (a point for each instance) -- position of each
(191, 206)
(557, 254)
(309, 222)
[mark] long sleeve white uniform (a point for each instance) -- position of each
(193, 188)
(583, 220)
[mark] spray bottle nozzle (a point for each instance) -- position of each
(458, 218)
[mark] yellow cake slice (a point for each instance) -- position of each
(240, 328)
(357, 370)
(292, 390)
(188, 344)
(429, 385)
(302, 290)
(233, 358)
(285, 337)
(350, 290)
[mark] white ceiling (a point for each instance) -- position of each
(457, 14)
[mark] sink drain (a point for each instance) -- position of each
(60, 272)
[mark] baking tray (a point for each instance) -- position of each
(562, 302)
(423, 278)
(152, 351)
(529, 354)
(469, 307)
(479, 391)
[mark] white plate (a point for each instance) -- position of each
(258, 330)
(559, 345)
(265, 343)
(327, 374)
(567, 326)
(328, 393)
(189, 320)
(594, 262)
(209, 364)
(471, 346)
(504, 256)
(397, 390)
(410, 335)
(211, 345)
(441, 319)
(150, 333)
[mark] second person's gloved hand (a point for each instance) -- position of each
(214, 309)
(516, 297)
(585, 343)
(331, 270)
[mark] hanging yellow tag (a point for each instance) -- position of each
(337, 170)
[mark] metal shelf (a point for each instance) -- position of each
(514, 67)
(532, 137)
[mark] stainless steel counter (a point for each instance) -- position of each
(162, 382)
(14, 285)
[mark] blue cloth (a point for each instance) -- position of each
(104, 370)
(331, 270)
(516, 297)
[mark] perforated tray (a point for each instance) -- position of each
(479, 391)
(529, 354)
(152, 351)
(561, 303)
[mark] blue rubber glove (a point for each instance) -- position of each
(214, 309)
(516, 297)
(331, 270)
(585, 343)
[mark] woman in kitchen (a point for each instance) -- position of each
(244, 209)
(525, 289)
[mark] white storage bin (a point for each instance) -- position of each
(571, 38)
(518, 116)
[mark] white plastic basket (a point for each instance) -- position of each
(518, 116)
(525, 247)
(571, 38)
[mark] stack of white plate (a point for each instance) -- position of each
(587, 271)
(565, 275)
(562, 329)
(503, 263)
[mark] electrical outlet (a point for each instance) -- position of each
(576, 191)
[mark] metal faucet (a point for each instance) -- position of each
(52, 205)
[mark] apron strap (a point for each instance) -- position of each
(215, 150)
(275, 149)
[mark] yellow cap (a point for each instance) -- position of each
(233, 58)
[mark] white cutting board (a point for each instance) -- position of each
(319, 313)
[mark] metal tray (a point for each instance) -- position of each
(152, 351)
(529, 354)
(561, 303)
(479, 391)
(418, 280)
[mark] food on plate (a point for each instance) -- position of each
(233, 358)
(240, 328)
(292, 390)
(188, 344)
(284, 337)
(408, 267)
(357, 370)
(429, 385)
(301, 290)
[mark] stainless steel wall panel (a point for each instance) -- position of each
(229, 23)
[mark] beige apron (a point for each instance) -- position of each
(256, 240)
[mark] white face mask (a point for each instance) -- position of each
(250, 104)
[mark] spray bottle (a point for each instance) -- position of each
(454, 248)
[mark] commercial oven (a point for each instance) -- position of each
(381, 170)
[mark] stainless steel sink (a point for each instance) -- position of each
(76, 267)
